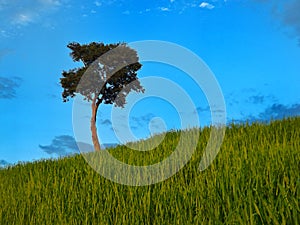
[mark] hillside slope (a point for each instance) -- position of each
(254, 180)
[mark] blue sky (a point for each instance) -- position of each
(252, 47)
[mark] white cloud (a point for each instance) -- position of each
(97, 3)
(50, 2)
(145, 11)
(164, 9)
(17, 13)
(206, 5)
(23, 19)
(3, 33)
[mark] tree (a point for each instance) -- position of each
(108, 75)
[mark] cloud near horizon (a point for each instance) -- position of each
(273, 112)
(280, 111)
(62, 145)
(3, 163)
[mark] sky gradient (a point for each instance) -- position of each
(251, 46)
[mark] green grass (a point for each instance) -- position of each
(255, 179)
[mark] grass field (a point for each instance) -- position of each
(255, 179)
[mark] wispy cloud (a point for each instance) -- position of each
(23, 18)
(141, 121)
(51, 2)
(172, 6)
(256, 99)
(4, 52)
(8, 87)
(261, 99)
(97, 3)
(206, 5)
(287, 12)
(165, 9)
(202, 109)
(291, 16)
(127, 12)
(106, 122)
(250, 96)
(18, 13)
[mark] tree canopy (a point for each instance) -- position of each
(105, 78)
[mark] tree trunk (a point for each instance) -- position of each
(95, 139)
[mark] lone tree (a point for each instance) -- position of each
(108, 74)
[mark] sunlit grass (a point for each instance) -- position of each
(254, 180)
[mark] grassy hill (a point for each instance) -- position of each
(255, 179)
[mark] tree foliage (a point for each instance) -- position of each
(108, 74)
